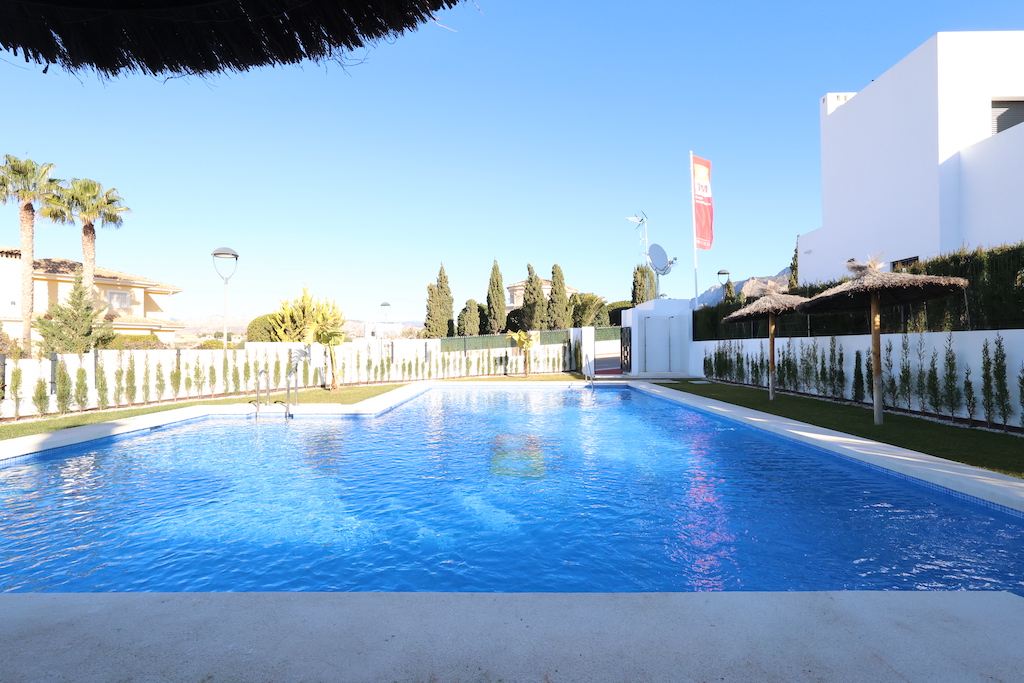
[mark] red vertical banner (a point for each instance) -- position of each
(703, 208)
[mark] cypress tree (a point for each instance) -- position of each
(64, 395)
(730, 292)
(433, 323)
(534, 304)
(643, 284)
(558, 303)
(495, 302)
(987, 395)
(469, 319)
(444, 293)
(1002, 394)
(952, 394)
(794, 269)
(81, 389)
(858, 378)
(970, 400)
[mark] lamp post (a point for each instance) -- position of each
(720, 274)
(219, 254)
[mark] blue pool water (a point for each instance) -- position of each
(487, 490)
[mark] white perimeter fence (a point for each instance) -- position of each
(102, 379)
(816, 372)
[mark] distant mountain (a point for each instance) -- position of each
(215, 323)
(751, 287)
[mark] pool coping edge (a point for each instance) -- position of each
(993, 487)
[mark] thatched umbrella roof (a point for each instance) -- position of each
(772, 302)
(199, 36)
(871, 288)
(893, 289)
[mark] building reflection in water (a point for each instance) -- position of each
(703, 543)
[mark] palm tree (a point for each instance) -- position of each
(326, 328)
(27, 182)
(87, 201)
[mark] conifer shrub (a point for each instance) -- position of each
(41, 397)
(988, 404)
(81, 389)
(199, 377)
(130, 390)
(160, 382)
(64, 393)
(970, 398)
(15, 389)
(921, 379)
(952, 393)
(1020, 392)
(213, 379)
(890, 393)
(934, 389)
(858, 378)
(236, 379)
(118, 385)
(102, 390)
(176, 381)
(905, 385)
(1002, 387)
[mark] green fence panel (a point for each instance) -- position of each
(554, 337)
(606, 333)
(481, 343)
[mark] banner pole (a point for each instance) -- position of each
(693, 217)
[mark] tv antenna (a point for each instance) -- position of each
(642, 227)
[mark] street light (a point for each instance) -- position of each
(720, 274)
(220, 254)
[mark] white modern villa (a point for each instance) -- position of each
(926, 159)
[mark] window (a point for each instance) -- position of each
(119, 300)
(903, 264)
(1006, 114)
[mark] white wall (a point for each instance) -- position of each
(879, 171)
(661, 337)
(900, 177)
(991, 190)
(967, 346)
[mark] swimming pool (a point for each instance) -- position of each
(487, 489)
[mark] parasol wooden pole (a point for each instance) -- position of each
(771, 356)
(876, 355)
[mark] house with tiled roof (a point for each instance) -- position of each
(134, 304)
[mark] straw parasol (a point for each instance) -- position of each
(200, 36)
(871, 288)
(772, 303)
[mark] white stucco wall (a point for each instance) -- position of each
(991, 194)
(900, 169)
(661, 338)
(967, 345)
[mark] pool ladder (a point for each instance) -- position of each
(291, 376)
(590, 377)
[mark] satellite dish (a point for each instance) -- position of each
(658, 259)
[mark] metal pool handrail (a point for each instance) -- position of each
(259, 374)
(590, 377)
(293, 371)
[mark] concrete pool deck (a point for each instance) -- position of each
(794, 636)
(371, 637)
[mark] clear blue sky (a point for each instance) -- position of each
(526, 135)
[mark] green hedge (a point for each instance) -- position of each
(994, 300)
(478, 343)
